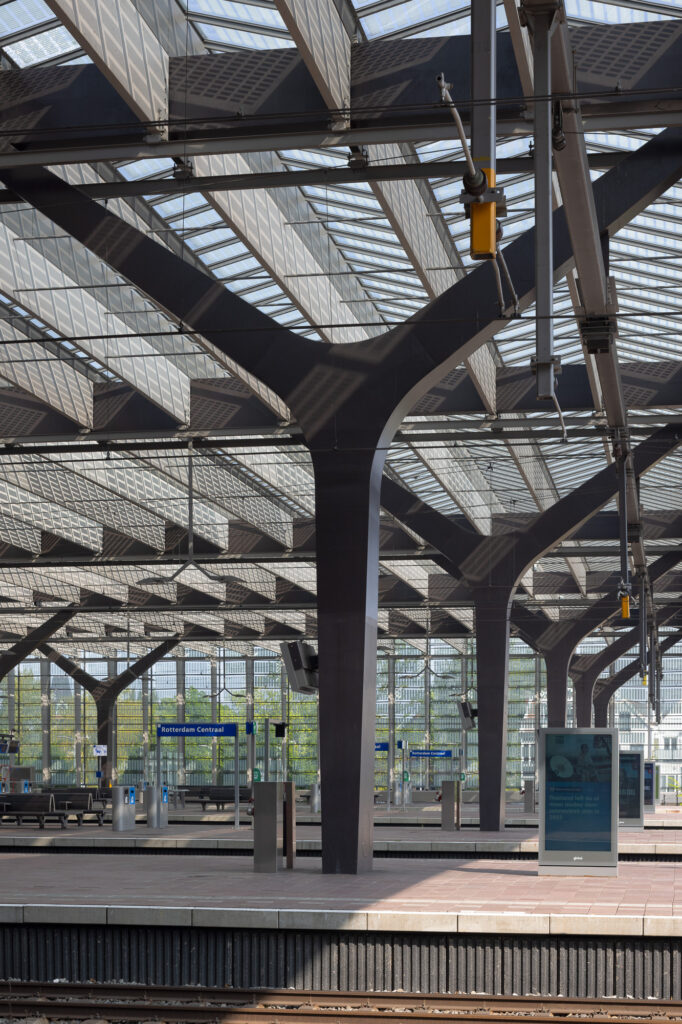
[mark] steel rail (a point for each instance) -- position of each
(196, 1006)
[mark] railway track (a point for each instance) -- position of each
(66, 1001)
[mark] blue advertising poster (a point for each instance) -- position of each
(578, 794)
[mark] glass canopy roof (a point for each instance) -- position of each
(344, 253)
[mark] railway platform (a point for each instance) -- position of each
(474, 924)
(657, 840)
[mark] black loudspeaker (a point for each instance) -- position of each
(280, 730)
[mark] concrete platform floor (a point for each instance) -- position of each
(472, 895)
(413, 840)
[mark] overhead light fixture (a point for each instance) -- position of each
(190, 562)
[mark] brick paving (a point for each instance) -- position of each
(468, 885)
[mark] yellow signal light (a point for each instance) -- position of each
(625, 606)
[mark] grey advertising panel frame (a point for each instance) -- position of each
(579, 859)
(625, 820)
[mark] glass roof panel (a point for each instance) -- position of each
(45, 46)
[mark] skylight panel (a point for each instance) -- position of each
(23, 14)
(242, 40)
(56, 42)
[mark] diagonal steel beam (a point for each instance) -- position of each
(606, 689)
(20, 650)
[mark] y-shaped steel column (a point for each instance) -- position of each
(586, 670)
(105, 691)
(348, 400)
(610, 687)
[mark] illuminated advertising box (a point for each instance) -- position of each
(630, 788)
(578, 802)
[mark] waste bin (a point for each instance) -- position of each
(156, 805)
(123, 808)
(268, 826)
(451, 806)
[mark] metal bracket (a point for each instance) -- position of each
(529, 8)
(598, 333)
(491, 195)
(555, 361)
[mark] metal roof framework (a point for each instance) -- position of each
(335, 263)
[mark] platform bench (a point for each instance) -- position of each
(39, 807)
(79, 802)
(218, 795)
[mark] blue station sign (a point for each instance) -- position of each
(167, 729)
(381, 746)
(431, 753)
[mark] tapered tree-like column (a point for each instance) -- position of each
(585, 671)
(582, 697)
(350, 400)
(105, 692)
(557, 661)
(606, 690)
(347, 529)
(491, 616)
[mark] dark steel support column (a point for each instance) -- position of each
(491, 617)
(106, 706)
(601, 710)
(583, 689)
(46, 751)
(557, 661)
(347, 487)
